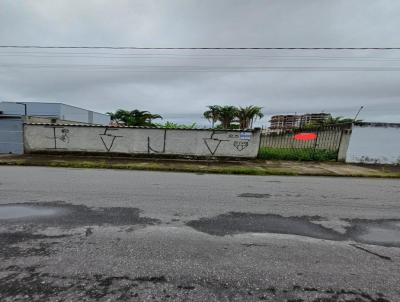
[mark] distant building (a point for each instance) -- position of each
(293, 121)
(284, 122)
(52, 112)
(14, 114)
(313, 119)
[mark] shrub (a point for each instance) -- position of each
(172, 125)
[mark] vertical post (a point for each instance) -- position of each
(316, 142)
(165, 139)
(25, 108)
(55, 138)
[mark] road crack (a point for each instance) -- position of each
(371, 252)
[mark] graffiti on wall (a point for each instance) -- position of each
(212, 143)
(60, 134)
(153, 141)
(240, 141)
(108, 138)
(240, 145)
(151, 149)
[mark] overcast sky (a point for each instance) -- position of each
(180, 84)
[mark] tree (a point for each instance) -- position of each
(339, 120)
(248, 115)
(212, 114)
(226, 115)
(134, 117)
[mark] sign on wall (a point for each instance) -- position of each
(245, 136)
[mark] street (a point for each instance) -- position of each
(114, 235)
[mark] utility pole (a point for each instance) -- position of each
(358, 112)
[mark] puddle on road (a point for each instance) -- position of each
(377, 232)
(236, 223)
(63, 214)
(381, 235)
(15, 212)
(385, 233)
(255, 195)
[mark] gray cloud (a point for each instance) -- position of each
(105, 80)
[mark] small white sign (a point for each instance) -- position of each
(245, 136)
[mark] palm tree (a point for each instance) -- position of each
(226, 115)
(212, 114)
(223, 114)
(135, 117)
(248, 115)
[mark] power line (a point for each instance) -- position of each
(193, 68)
(192, 56)
(198, 48)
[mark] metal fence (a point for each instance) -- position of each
(326, 138)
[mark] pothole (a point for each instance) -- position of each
(61, 214)
(385, 232)
(236, 223)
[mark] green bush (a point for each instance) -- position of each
(305, 154)
(172, 125)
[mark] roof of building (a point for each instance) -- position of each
(52, 103)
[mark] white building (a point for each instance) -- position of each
(13, 115)
(57, 111)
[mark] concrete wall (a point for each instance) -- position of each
(65, 138)
(344, 145)
(373, 143)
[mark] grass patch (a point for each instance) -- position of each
(305, 154)
(209, 167)
(153, 166)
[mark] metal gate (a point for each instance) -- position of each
(11, 136)
(321, 143)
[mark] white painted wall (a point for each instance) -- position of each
(64, 138)
(374, 144)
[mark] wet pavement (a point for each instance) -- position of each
(378, 232)
(103, 235)
(22, 211)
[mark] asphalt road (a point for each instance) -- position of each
(109, 235)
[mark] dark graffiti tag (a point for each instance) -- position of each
(240, 145)
(108, 139)
(150, 149)
(233, 135)
(63, 137)
(213, 143)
